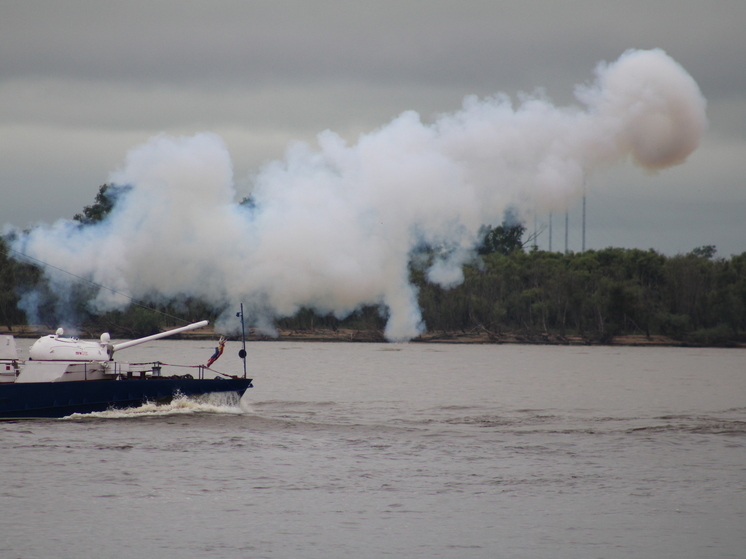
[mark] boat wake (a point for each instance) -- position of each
(216, 403)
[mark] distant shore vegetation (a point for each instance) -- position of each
(597, 295)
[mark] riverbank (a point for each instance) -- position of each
(477, 336)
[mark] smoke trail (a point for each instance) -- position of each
(335, 227)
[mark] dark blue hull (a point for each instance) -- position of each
(58, 399)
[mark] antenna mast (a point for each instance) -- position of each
(242, 353)
(584, 215)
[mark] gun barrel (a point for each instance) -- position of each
(125, 345)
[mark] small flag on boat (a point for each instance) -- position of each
(218, 352)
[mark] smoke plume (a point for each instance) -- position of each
(334, 226)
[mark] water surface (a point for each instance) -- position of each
(411, 450)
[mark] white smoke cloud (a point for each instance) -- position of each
(334, 227)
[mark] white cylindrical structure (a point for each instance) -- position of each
(125, 345)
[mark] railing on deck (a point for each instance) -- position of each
(155, 369)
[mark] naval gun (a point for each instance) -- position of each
(56, 347)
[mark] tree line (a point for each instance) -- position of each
(597, 294)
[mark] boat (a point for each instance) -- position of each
(65, 375)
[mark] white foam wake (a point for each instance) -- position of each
(218, 403)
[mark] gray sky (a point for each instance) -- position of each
(83, 82)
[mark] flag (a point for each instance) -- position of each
(218, 352)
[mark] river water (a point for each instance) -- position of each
(398, 450)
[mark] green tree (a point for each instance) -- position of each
(8, 297)
(502, 239)
(706, 251)
(105, 200)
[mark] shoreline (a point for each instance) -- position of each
(476, 337)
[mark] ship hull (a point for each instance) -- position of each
(59, 399)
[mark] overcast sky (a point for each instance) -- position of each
(83, 82)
